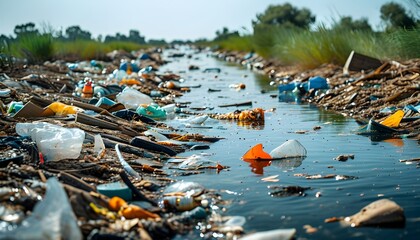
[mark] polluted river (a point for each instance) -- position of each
(230, 157)
(373, 172)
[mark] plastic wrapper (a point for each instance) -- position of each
(132, 98)
(53, 141)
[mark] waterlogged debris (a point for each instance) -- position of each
(273, 178)
(280, 191)
(196, 162)
(280, 234)
(309, 229)
(328, 176)
(410, 161)
(374, 128)
(247, 103)
(254, 115)
(344, 157)
(381, 213)
(129, 211)
(182, 196)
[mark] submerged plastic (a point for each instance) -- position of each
(53, 141)
(256, 152)
(393, 120)
(291, 148)
(52, 218)
(132, 98)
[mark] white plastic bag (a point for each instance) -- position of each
(289, 149)
(132, 98)
(52, 218)
(53, 141)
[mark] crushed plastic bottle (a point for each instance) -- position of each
(132, 98)
(53, 141)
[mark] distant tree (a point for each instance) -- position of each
(157, 42)
(350, 24)
(285, 15)
(395, 16)
(134, 36)
(75, 33)
(225, 34)
(24, 29)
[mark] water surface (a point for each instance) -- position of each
(376, 166)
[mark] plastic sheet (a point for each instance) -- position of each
(291, 148)
(132, 98)
(52, 218)
(53, 141)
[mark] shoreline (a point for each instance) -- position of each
(362, 95)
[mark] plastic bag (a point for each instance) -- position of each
(132, 98)
(291, 148)
(52, 218)
(53, 141)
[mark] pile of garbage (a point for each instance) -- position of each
(364, 88)
(82, 152)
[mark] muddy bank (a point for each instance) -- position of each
(374, 93)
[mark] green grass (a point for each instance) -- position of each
(35, 48)
(244, 44)
(89, 49)
(310, 49)
(406, 43)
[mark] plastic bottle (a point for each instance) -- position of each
(132, 98)
(53, 141)
(87, 91)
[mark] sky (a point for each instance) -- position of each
(171, 19)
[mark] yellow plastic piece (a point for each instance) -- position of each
(393, 120)
(61, 109)
(256, 152)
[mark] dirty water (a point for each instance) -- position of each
(375, 172)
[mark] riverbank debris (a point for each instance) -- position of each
(344, 157)
(380, 213)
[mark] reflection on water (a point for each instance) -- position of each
(289, 97)
(376, 171)
(257, 166)
(288, 163)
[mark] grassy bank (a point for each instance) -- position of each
(310, 49)
(37, 48)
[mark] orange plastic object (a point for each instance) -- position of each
(393, 120)
(87, 91)
(133, 211)
(130, 82)
(256, 152)
(116, 203)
